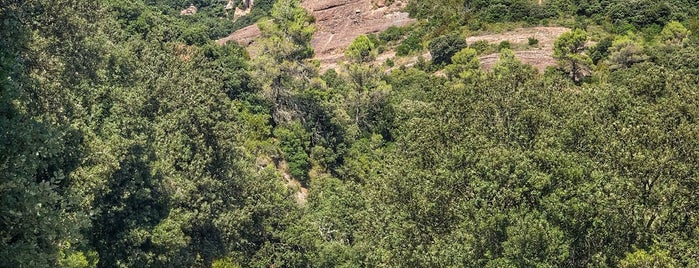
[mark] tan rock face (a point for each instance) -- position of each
(338, 23)
(539, 57)
(191, 10)
(243, 37)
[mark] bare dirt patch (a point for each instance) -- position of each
(243, 37)
(539, 56)
(338, 23)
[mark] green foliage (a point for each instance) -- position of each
(195, 35)
(78, 260)
(444, 47)
(532, 41)
(481, 46)
(39, 152)
(361, 50)
(278, 69)
(390, 63)
(496, 13)
(409, 45)
(624, 52)
(129, 139)
(392, 33)
(290, 24)
(569, 51)
(641, 258)
(674, 33)
(465, 65)
(504, 45)
(224, 263)
(293, 143)
(600, 50)
(534, 242)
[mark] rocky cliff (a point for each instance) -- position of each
(338, 23)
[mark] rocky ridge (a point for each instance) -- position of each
(338, 23)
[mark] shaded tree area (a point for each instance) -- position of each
(127, 139)
(133, 142)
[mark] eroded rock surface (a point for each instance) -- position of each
(243, 37)
(338, 23)
(540, 57)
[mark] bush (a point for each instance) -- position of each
(444, 47)
(410, 44)
(293, 143)
(533, 41)
(390, 63)
(481, 46)
(361, 50)
(600, 50)
(195, 35)
(496, 13)
(504, 45)
(393, 33)
(475, 25)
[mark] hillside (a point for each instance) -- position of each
(338, 23)
(349, 133)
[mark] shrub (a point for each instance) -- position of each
(444, 47)
(390, 63)
(293, 143)
(601, 50)
(361, 50)
(475, 25)
(496, 13)
(410, 44)
(533, 41)
(504, 45)
(481, 46)
(393, 33)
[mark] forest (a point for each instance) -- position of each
(129, 138)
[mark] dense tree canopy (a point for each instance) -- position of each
(128, 138)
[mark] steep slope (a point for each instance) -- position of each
(338, 23)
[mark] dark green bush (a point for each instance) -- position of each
(481, 46)
(496, 13)
(504, 45)
(533, 41)
(410, 44)
(444, 47)
(293, 142)
(393, 33)
(600, 50)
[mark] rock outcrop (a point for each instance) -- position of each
(539, 57)
(243, 37)
(191, 10)
(338, 23)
